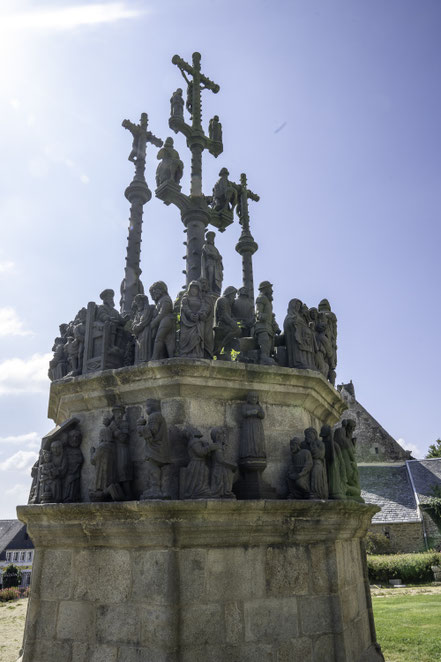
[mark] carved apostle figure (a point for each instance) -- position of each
(331, 331)
(215, 129)
(121, 435)
(222, 474)
(226, 329)
(224, 193)
(75, 459)
(299, 337)
(163, 323)
(170, 168)
(157, 451)
(106, 312)
(335, 468)
(141, 328)
(58, 363)
(319, 480)
(46, 473)
(177, 104)
(243, 312)
(211, 264)
(34, 494)
(264, 330)
(252, 437)
(103, 458)
(299, 472)
(58, 468)
(344, 437)
(196, 476)
(191, 339)
(207, 317)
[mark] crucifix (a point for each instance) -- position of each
(246, 246)
(195, 211)
(137, 193)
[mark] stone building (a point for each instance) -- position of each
(16, 547)
(392, 479)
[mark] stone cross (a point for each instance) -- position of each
(246, 246)
(137, 193)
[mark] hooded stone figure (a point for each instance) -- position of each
(192, 322)
(211, 264)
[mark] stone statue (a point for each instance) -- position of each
(141, 328)
(335, 468)
(243, 312)
(79, 333)
(163, 324)
(138, 152)
(191, 340)
(343, 436)
(106, 312)
(299, 337)
(207, 317)
(75, 459)
(226, 329)
(121, 435)
(264, 330)
(319, 480)
(299, 472)
(34, 494)
(195, 477)
(215, 129)
(58, 468)
(170, 169)
(331, 332)
(222, 474)
(177, 104)
(58, 364)
(157, 452)
(46, 470)
(252, 438)
(323, 349)
(224, 193)
(211, 264)
(103, 459)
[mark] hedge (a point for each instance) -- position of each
(410, 568)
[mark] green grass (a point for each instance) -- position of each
(409, 627)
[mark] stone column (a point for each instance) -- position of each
(246, 247)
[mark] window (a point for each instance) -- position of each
(8, 556)
(376, 450)
(22, 556)
(15, 556)
(29, 556)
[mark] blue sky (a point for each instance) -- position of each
(350, 185)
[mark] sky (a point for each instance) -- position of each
(331, 107)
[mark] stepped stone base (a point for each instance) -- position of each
(199, 581)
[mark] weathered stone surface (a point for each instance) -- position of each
(202, 625)
(234, 622)
(296, 649)
(286, 571)
(118, 624)
(154, 576)
(76, 621)
(101, 575)
(234, 572)
(56, 576)
(272, 619)
(319, 615)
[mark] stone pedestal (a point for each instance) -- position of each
(205, 581)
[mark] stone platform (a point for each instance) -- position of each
(199, 581)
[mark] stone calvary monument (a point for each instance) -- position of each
(196, 500)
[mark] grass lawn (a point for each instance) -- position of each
(409, 626)
(12, 620)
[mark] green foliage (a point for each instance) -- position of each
(434, 449)
(11, 576)
(410, 568)
(7, 594)
(377, 543)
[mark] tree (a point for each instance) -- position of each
(434, 449)
(11, 576)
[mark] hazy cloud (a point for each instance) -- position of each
(69, 18)
(24, 375)
(417, 453)
(6, 266)
(20, 491)
(20, 461)
(11, 324)
(30, 440)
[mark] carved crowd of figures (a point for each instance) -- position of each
(323, 466)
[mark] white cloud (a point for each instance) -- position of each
(69, 18)
(416, 451)
(11, 324)
(20, 461)
(24, 375)
(6, 266)
(31, 440)
(20, 491)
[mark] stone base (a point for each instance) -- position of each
(199, 581)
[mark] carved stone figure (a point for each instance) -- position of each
(75, 459)
(58, 364)
(121, 434)
(177, 104)
(103, 458)
(46, 466)
(157, 452)
(331, 332)
(252, 438)
(34, 494)
(163, 324)
(211, 264)
(323, 355)
(222, 474)
(141, 328)
(226, 329)
(319, 480)
(207, 317)
(195, 478)
(299, 472)
(343, 436)
(191, 341)
(224, 193)
(215, 129)
(335, 468)
(264, 329)
(299, 337)
(106, 312)
(58, 468)
(243, 312)
(79, 334)
(170, 168)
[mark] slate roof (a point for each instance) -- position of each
(425, 474)
(389, 486)
(13, 535)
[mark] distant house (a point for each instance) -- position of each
(16, 547)
(393, 480)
